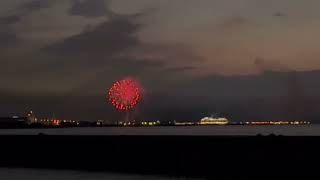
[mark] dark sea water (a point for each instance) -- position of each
(300, 130)
(31, 174)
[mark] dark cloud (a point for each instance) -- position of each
(106, 39)
(101, 52)
(24, 10)
(230, 23)
(179, 69)
(10, 20)
(279, 14)
(95, 55)
(8, 35)
(97, 52)
(8, 39)
(98, 8)
(90, 8)
(115, 44)
(36, 5)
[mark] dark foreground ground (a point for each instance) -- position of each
(210, 157)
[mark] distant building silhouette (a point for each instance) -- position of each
(13, 122)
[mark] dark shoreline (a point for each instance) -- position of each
(221, 157)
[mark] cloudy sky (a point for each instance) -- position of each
(192, 57)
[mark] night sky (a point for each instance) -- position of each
(244, 59)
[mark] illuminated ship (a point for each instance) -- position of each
(213, 121)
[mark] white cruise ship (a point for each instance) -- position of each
(213, 121)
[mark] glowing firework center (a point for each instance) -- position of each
(125, 94)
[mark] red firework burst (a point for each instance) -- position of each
(125, 94)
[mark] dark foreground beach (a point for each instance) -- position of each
(40, 174)
(209, 157)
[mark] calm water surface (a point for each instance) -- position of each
(301, 130)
